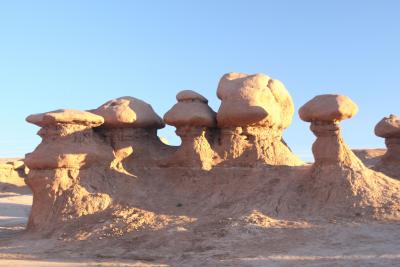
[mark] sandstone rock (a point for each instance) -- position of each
(249, 100)
(253, 113)
(338, 183)
(128, 112)
(329, 108)
(68, 146)
(389, 128)
(130, 127)
(67, 140)
(190, 95)
(325, 112)
(192, 117)
(65, 116)
(12, 175)
(191, 110)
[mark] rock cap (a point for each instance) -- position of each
(388, 127)
(191, 110)
(65, 116)
(253, 100)
(329, 108)
(189, 95)
(128, 112)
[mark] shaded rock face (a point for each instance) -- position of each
(389, 128)
(254, 111)
(68, 147)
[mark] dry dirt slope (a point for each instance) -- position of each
(183, 231)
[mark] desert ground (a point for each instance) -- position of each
(264, 242)
(257, 240)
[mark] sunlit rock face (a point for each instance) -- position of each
(106, 169)
(338, 182)
(194, 121)
(130, 127)
(254, 111)
(389, 128)
(325, 112)
(68, 148)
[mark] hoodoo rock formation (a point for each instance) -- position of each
(325, 112)
(130, 127)
(389, 128)
(194, 121)
(59, 165)
(339, 183)
(105, 173)
(254, 111)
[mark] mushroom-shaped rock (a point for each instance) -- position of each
(249, 100)
(325, 112)
(253, 113)
(130, 126)
(192, 118)
(128, 112)
(68, 150)
(191, 110)
(389, 128)
(68, 140)
(328, 108)
(66, 116)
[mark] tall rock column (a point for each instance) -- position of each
(193, 119)
(389, 128)
(61, 162)
(254, 111)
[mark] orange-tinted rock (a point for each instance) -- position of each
(192, 118)
(128, 112)
(253, 113)
(389, 128)
(328, 108)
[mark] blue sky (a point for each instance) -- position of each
(79, 54)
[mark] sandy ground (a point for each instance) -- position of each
(315, 243)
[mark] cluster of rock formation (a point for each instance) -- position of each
(88, 158)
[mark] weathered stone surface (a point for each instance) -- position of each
(253, 113)
(250, 100)
(129, 112)
(388, 127)
(65, 116)
(192, 117)
(191, 110)
(328, 108)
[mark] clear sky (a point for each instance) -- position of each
(79, 54)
